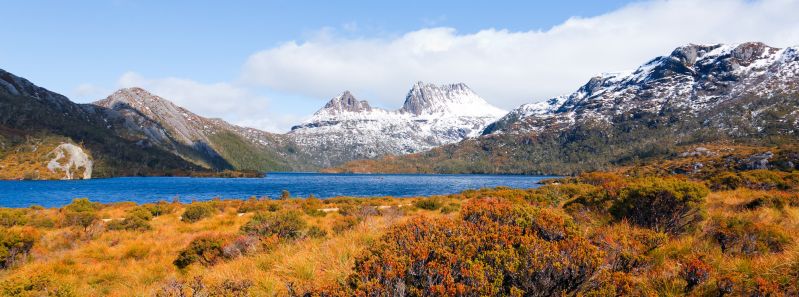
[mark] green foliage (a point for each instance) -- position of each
(137, 218)
(666, 205)
(15, 245)
(197, 211)
(10, 217)
(160, 208)
(284, 225)
(81, 212)
(316, 232)
(206, 250)
(429, 203)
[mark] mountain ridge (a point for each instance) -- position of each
(430, 116)
(743, 92)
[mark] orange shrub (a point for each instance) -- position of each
(497, 248)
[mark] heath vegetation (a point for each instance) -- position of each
(639, 231)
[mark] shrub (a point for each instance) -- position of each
(316, 232)
(739, 236)
(15, 245)
(694, 272)
(725, 181)
(284, 225)
(429, 203)
(160, 208)
(285, 195)
(242, 245)
(197, 211)
(344, 223)
(251, 205)
(493, 250)
(665, 205)
(206, 250)
(137, 218)
(10, 217)
(81, 212)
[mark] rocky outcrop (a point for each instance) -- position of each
(71, 160)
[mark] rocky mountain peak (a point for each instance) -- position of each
(18, 86)
(345, 102)
(691, 79)
(458, 98)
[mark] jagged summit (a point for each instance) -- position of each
(425, 98)
(692, 78)
(345, 102)
(347, 129)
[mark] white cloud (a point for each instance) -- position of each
(230, 102)
(511, 68)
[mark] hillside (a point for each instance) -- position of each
(43, 135)
(746, 93)
(153, 121)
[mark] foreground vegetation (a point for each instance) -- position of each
(640, 231)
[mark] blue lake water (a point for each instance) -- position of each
(151, 189)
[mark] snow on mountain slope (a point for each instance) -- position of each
(348, 129)
(692, 79)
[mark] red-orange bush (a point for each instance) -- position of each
(496, 248)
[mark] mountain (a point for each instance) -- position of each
(44, 135)
(742, 93)
(153, 121)
(347, 129)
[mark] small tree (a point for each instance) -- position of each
(285, 195)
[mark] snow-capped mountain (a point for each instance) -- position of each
(154, 121)
(347, 129)
(745, 93)
(692, 79)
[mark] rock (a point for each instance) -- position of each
(70, 158)
(756, 161)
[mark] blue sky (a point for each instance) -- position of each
(203, 54)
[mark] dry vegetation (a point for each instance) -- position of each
(642, 231)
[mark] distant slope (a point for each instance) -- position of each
(35, 121)
(153, 121)
(746, 93)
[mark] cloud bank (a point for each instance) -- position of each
(511, 68)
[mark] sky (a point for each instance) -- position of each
(271, 64)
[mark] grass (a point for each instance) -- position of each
(137, 263)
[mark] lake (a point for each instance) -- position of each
(151, 189)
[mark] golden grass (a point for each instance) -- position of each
(138, 263)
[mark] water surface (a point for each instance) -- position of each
(151, 189)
